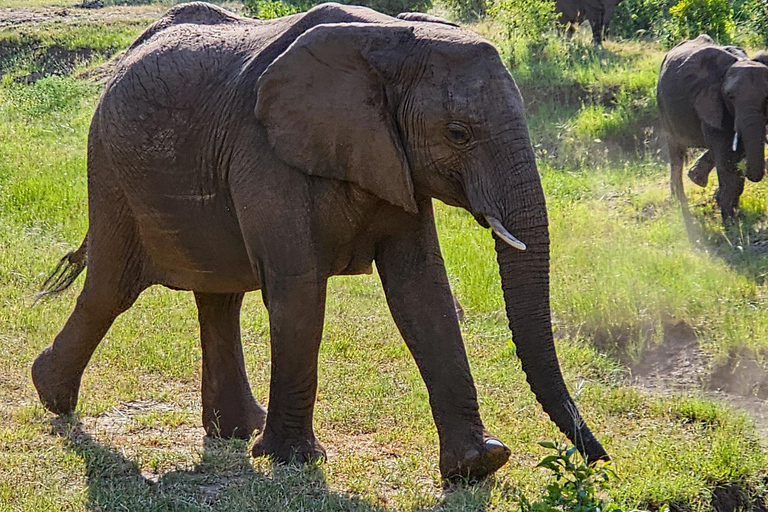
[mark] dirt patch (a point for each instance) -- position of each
(13, 16)
(739, 375)
(679, 365)
(10, 16)
(732, 496)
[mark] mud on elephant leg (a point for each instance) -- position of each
(229, 408)
(296, 308)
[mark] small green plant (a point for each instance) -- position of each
(690, 18)
(576, 485)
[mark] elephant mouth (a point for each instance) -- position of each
(480, 218)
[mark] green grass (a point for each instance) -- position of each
(622, 267)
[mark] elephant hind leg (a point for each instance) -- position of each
(229, 408)
(111, 287)
(114, 279)
(676, 161)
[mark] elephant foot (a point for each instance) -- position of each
(235, 420)
(698, 176)
(476, 463)
(287, 451)
(57, 393)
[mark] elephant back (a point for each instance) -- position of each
(196, 13)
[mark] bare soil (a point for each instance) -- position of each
(679, 365)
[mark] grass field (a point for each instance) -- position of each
(627, 281)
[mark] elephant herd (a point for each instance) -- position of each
(228, 155)
(714, 97)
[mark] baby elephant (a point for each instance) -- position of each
(228, 155)
(714, 97)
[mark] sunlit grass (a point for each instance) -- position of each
(621, 263)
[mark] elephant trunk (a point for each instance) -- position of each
(520, 206)
(751, 129)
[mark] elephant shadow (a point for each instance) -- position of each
(224, 479)
(742, 243)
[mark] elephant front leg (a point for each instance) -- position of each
(699, 171)
(229, 408)
(419, 297)
(296, 308)
(730, 188)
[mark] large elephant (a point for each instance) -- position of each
(597, 12)
(713, 97)
(228, 155)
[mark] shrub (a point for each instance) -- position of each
(267, 9)
(532, 21)
(467, 9)
(752, 17)
(634, 18)
(690, 18)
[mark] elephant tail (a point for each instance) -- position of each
(65, 273)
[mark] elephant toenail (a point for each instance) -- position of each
(494, 443)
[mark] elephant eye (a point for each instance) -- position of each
(458, 133)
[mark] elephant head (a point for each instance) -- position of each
(743, 96)
(409, 110)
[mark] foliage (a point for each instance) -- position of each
(528, 22)
(752, 17)
(268, 9)
(633, 18)
(689, 18)
(467, 9)
(576, 484)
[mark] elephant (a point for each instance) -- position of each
(228, 155)
(713, 97)
(597, 12)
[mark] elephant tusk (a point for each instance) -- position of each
(735, 141)
(502, 233)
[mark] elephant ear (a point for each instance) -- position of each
(712, 63)
(326, 110)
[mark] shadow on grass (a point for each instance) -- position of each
(742, 244)
(224, 479)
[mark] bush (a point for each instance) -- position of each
(752, 17)
(467, 9)
(634, 18)
(690, 18)
(532, 21)
(267, 9)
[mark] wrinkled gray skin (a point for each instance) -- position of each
(229, 155)
(597, 12)
(706, 93)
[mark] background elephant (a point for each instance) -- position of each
(713, 97)
(597, 12)
(228, 155)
